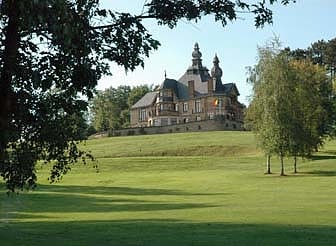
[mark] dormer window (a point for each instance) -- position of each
(166, 93)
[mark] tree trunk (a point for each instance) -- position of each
(9, 58)
(282, 173)
(268, 165)
(295, 169)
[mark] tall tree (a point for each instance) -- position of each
(267, 110)
(289, 106)
(53, 52)
(137, 93)
(111, 107)
(311, 100)
(322, 53)
(108, 108)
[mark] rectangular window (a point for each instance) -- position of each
(142, 115)
(220, 102)
(185, 107)
(198, 106)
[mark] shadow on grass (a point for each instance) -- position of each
(97, 199)
(105, 190)
(163, 232)
(329, 152)
(323, 157)
(301, 174)
(321, 173)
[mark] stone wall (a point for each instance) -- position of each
(206, 125)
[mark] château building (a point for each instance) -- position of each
(197, 96)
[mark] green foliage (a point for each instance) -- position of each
(111, 107)
(137, 93)
(323, 53)
(51, 59)
(170, 12)
(289, 109)
(53, 52)
(91, 130)
(267, 78)
(311, 101)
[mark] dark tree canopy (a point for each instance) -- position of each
(322, 53)
(53, 52)
(110, 108)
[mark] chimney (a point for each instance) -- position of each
(191, 88)
(210, 86)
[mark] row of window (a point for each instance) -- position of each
(165, 106)
(198, 108)
(166, 93)
(231, 116)
(218, 103)
(211, 115)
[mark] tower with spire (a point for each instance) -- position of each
(196, 57)
(216, 74)
(198, 95)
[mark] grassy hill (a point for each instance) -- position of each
(179, 144)
(178, 189)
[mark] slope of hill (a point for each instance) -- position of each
(178, 189)
(217, 143)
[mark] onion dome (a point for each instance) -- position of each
(216, 71)
(196, 53)
(196, 57)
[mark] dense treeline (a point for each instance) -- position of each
(110, 108)
(320, 52)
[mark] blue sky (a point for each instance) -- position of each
(297, 25)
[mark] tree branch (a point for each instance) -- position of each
(138, 17)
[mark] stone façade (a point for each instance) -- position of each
(197, 96)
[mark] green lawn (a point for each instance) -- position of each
(178, 189)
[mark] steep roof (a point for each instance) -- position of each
(200, 78)
(169, 84)
(229, 87)
(181, 90)
(146, 100)
(196, 72)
